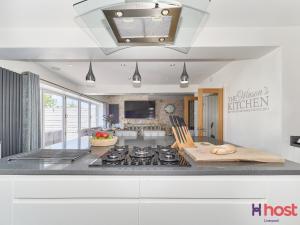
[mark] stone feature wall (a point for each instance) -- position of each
(161, 117)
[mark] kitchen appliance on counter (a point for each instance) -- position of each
(136, 156)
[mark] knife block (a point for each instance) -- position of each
(187, 141)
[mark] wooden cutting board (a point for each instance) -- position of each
(202, 154)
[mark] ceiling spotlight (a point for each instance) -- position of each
(90, 77)
(119, 14)
(136, 78)
(127, 40)
(184, 79)
(165, 12)
(162, 39)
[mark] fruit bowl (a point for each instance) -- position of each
(102, 139)
(104, 142)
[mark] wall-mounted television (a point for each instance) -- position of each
(139, 109)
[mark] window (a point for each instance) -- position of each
(100, 115)
(72, 124)
(85, 112)
(66, 120)
(93, 115)
(53, 113)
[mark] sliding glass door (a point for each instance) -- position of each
(53, 120)
(93, 115)
(68, 120)
(72, 123)
(100, 115)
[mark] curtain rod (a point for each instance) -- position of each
(68, 89)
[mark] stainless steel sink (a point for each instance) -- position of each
(50, 155)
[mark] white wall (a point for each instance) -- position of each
(23, 66)
(288, 40)
(258, 129)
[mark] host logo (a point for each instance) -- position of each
(268, 210)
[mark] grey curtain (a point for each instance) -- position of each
(10, 112)
(31, 127)
(19, 112)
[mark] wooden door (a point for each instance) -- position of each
(219, 92)
(186, 112)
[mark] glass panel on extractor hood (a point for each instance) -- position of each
(92, 20)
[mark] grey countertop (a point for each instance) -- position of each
(80, 166)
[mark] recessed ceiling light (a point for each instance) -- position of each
(165, 12)
(162, 39)
(127, 40)
(119, 14)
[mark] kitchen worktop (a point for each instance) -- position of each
(80, 166)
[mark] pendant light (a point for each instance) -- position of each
(90, 77)
(136, 78)
(184, 79)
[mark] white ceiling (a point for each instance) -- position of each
(158, 66)
(223, 13)
(134, 54)
(117, 73)
(115, 69)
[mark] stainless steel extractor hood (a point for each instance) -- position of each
(119, 24)
(144, 22)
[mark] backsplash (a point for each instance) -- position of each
(161, 117)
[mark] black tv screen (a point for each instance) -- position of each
(140, 109)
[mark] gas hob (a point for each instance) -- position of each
(136, 156)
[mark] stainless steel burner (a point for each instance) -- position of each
(121, 148)
(142, 152)
(113, 156)
(170, 156)
(136, 156)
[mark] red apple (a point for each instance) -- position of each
(98, 134)
(105, 135)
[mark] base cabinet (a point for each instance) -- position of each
(5, 200)
(134, 200)
(75, 212)
(195, 212)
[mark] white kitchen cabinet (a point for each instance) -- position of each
(75, 212)
(5, 200)
(143, 200)
(75, 200)
(203, 187)
(31, 187)
(198, 211)
(215, 200)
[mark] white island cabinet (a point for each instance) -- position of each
(144, 200)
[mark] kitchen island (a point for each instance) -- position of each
(36, 192)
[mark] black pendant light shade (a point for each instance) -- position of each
(90, 77)
(136, 78)
(184, 79)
